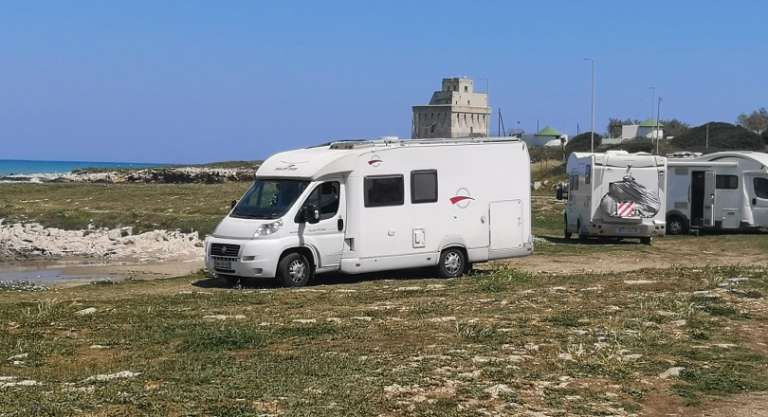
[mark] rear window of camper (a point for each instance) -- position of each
(384, 190)
(424, 186)
(726, 182)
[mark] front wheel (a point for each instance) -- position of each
(646, 240)
(452, 264)
(294, 270)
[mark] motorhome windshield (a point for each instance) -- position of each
(269, 199)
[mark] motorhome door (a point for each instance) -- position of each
(697, 197)
(506, 224)
(757, 187)
(709, 199)
(327, 235)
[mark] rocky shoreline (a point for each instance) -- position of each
(33, 241)
(176, 175)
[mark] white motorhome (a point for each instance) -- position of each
(615, 194)
(718, 191)
(363, 206)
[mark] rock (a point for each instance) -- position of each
(24, 383)
(671, 372)
(110, 377)
(497, 390)
(86, 311)
(565, 357)
(362, 318)
(305, 321)
(98, 347)
(18, 357)
(224, 317)
(537, 185)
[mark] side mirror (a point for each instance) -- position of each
(232, 204)
(310, 214)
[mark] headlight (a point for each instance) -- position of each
(268, 229)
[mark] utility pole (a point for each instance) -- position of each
(592, 133)
(706, 140)
(658, 116)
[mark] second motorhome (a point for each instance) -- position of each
(718, 191)
(363, 206)
(615, 194)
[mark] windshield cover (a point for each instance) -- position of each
(269, 199)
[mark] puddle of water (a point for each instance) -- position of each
(49, 276)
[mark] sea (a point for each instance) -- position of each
(24, 167)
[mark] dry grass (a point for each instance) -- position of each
(501, 342)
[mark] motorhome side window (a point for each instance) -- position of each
(761, 187)
(588, 175)
(726, 182)
(326, 198)
(424, 186)
(384, 190)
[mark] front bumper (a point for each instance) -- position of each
(254, 259)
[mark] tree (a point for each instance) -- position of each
(582, 143)
(675, 128)
(757, 121)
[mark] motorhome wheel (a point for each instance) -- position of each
(675, 225)
(566, 233)
(294, 270)
(452, 263)
(646, 240)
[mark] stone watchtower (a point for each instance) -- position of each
(456, 111)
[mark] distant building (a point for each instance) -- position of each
(455, 111)
(646, 130)
(547, 137)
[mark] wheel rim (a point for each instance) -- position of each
(453, 263)
(675, 227)
(297, 270)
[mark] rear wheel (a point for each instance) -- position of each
(453, 263)
(676, 225)
(233, 281)
(646, 240)
(582, 236)
(294, 270)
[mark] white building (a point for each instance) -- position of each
(646, 129)
(547, 137)
(456, 111)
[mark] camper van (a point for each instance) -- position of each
(373, 205)
(719, 191)
(615, 194)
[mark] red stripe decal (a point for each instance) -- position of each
(460, 198)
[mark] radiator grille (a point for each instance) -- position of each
(223, 249)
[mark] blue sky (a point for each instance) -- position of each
(195, 81)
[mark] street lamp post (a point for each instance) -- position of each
(658, 116)
(592, 133)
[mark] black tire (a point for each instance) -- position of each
(676, 225)
(646, 240)
(566, 233)
(582, 236)
(452, 264)
(294, 270)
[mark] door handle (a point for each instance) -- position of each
(340, 224)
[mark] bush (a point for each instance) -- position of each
(581, 143)
(722, 136)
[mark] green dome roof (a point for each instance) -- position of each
(650, 123)
(548, 131)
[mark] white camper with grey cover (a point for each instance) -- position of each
(363, 206)
(615, 194)
(718, 192)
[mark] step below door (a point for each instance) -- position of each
(506, 221)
